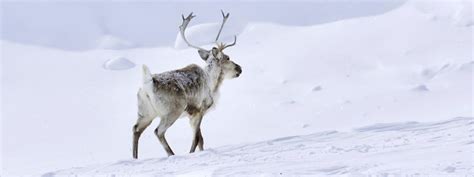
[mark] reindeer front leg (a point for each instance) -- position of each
(201, 141)
(195, 122)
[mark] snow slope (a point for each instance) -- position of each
(396, 149)
(62, 108)
(93, 24)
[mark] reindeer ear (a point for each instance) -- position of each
(204, 54)
(215, 52)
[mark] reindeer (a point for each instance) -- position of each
(190, 91)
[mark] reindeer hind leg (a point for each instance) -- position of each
(165, 123)
(138, 129)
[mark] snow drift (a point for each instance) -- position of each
(118, 64)
(395, 149)
(79, 25)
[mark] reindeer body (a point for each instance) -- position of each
(171, 95)
(164, 92)
(189, 91)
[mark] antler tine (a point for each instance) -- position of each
(230, 45)
(182, 29)
(224, 16)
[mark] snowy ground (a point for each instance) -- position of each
(63, 109)
(397, 149)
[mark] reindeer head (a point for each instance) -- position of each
(215, 58)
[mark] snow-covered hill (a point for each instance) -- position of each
(397, 149)
(63, 109)
(92, 24)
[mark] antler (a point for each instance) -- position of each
(225, 16)
(182, 29)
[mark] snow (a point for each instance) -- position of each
(77, 25)
(113, 42)
(303, 89)
(396, 149)
(458, 11)
(118, 64)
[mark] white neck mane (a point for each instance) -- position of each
(215, 77)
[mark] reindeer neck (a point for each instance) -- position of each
(215, 77)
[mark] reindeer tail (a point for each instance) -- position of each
(146, 74)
